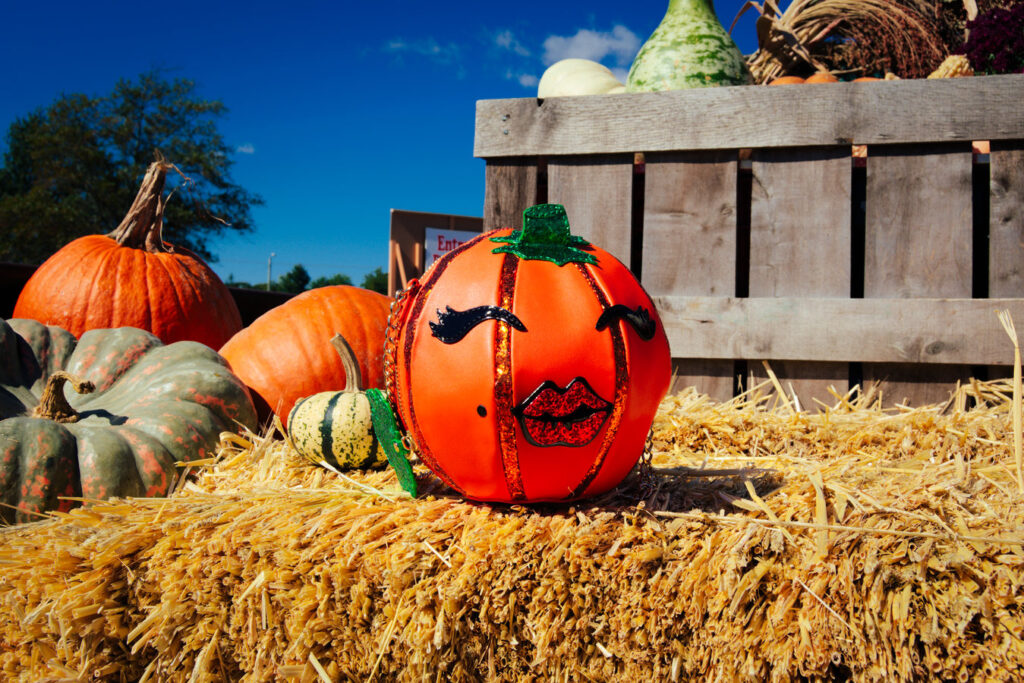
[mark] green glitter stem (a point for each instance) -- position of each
(385, 426)
(545, 237)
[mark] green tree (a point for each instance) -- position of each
(294, 281)
(72, 168)
(336, 279)
(377, 280)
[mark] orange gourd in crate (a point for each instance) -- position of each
(528, 365)
(821, 77)
(817, 77)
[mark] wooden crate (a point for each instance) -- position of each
(745, 216)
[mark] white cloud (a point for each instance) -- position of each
(524, 79)
(428, 47)
(246, 148)
(620, 43)
(506, 40)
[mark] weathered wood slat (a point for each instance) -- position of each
(918, 232)
(716, 378)
(800, 222)
(800, 245)
(918, 239)
(931, 331)
(511, 188)
(597, 193)
(1006, 227)
(689, 242)
(1006, 220)
(690, 223)
(882, 112)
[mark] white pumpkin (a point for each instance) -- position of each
(570, 77)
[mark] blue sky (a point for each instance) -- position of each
(338, 111)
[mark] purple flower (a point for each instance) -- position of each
(996, 41)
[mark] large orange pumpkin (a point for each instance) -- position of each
(286, 354)
(529, 365)
(132, 278)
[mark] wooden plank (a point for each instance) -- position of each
(893, 330)
(690, 223)
(597, 193)
(916, 385)
(918, 239)
(510, 188)
(1006, 229)
(881, 112)
(689, 243)
(800, 246)
(712, 377)
(800, 222)
(918, 236)
(1006, 221)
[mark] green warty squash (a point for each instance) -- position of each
(139, 408)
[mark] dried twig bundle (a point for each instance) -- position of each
(848, 37)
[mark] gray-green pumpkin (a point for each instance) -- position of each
(688, 49)
(336, 427)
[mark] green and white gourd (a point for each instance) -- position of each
(688, 49)
(336, 427)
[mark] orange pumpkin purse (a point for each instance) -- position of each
(528, 365)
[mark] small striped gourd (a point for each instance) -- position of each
(335, 427)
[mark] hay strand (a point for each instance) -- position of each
(1015, 408)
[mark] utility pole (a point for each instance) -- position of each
(269, 259)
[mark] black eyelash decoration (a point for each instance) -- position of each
(639, 318)
(452, 325)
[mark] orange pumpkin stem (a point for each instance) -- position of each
(53, 405)
(142, 227)
(353, 377)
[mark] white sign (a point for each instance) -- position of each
(440, 242)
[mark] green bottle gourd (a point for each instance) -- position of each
(688, 49)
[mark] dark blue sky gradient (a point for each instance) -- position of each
(338, 111)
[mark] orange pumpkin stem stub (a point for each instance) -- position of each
(142, 227)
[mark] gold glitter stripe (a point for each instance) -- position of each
(503, 398)
(415, 432)
(621, 385)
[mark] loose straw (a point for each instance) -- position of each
(1016, 410)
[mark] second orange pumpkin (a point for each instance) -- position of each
(286, 353)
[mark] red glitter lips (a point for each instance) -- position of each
(552, 416)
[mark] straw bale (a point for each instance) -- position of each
(768, 544)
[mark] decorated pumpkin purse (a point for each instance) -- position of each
(527, 365)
